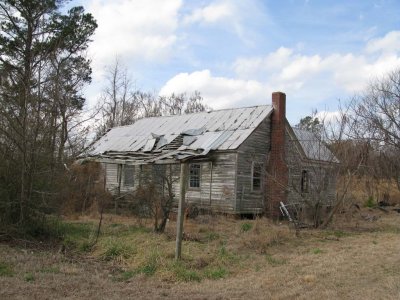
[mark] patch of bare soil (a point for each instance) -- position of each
(331, 264)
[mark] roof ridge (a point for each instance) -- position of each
(192, 113)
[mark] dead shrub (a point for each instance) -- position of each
(147, 202)
(262, 236)
(82, 189)
(140, 202)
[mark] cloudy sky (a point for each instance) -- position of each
(237, 52)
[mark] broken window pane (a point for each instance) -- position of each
(129, 175)
(256, 176)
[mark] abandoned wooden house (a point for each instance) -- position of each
(241, 160)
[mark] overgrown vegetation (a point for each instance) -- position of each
(43, 69)
(209, 252)
(6, 269)
(215, 249)
(370, 202)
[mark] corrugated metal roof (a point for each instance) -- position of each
(216, 130)
(313, 147)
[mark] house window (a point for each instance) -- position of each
(194, 175)
(305, 181)
(119, 174)
(129, 175)
(256, 176)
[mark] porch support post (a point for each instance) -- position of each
(181, 210)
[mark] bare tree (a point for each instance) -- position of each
(375, 118)
(155, 196)
(117, 104)
(325, 179)
(120, 104)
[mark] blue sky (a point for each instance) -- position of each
(237, 52)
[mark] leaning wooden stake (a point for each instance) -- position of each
(181, 209)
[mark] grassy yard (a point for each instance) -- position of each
(222, 259)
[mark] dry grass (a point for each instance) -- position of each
(222, 259)
(363, 188)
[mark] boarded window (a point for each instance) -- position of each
(119, 174)
(305, 181)
(256, 176)
(129, 175)
(194, 175)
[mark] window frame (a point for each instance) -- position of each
(125, 169)
(305, 182)
(254, 188)
(197, 176)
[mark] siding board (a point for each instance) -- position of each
(254, 149)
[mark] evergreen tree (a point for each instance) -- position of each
(42, 72)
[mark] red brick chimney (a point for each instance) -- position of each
(277, 170)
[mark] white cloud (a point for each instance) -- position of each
(218, 92)
(390, 43)
(211, 13)
(300, 67)
(309, 80)
(248, 67)
(138, 30)
(328, 116)
(350, 72)
(232, 15)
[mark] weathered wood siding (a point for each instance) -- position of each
(111, 171)
(254, 149)
(217, 183)
(112, 176)
(321, 176)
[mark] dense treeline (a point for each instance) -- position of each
(42, 71)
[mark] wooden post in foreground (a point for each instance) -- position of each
(181, 210)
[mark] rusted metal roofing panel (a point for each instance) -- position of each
(216, 130)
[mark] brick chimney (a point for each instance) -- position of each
(277, 170)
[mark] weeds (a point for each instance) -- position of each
(151, 266)
(85, 246)
(29, 277)
(227, 257)
(370, 202)
(6, 270)
(182, 273)
(212, 236)
(149, 269)
(274, 261)
(51, 270)
(244, 227)
(126, 275)
(217, 273)
(316, 251)
(117, 249)
(339, 233)
(76, 235)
